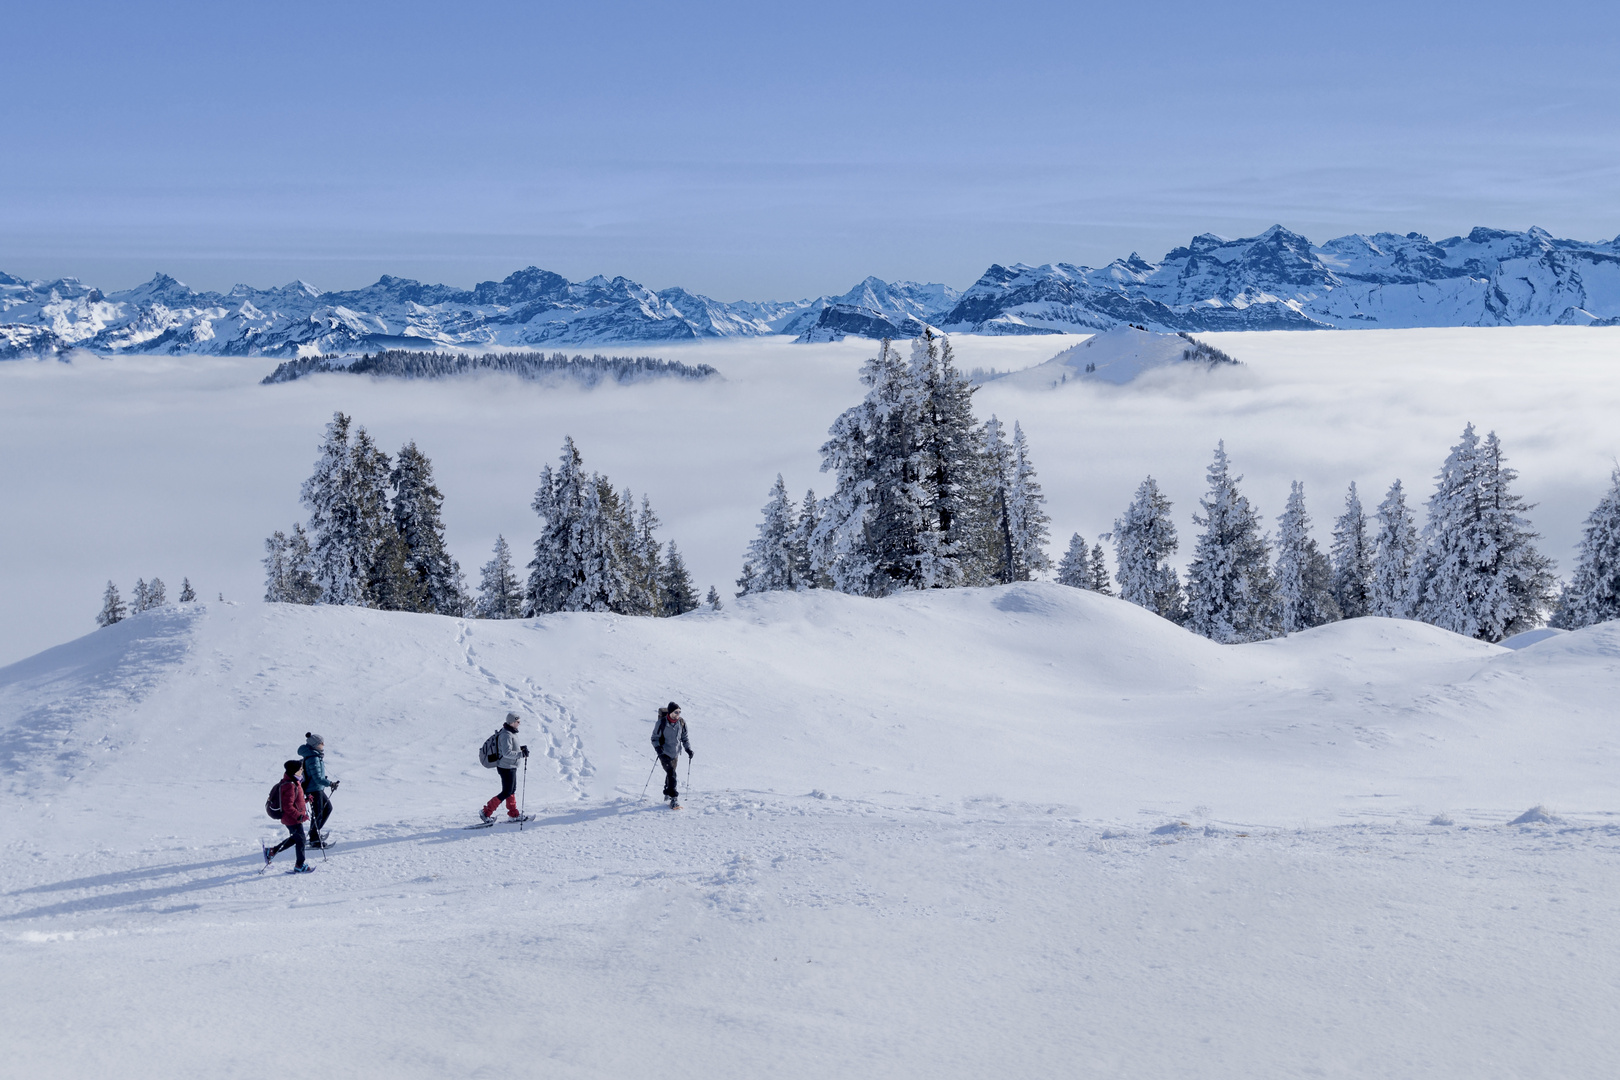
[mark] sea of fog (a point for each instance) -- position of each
(180, 466)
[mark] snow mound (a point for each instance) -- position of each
(1531, 637)
(1536, 815)
(1441, 819)
(1117, 356)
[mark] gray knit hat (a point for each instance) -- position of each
(511, 716)
(311, 739)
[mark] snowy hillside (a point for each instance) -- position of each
(1117, 356)
(987, 832)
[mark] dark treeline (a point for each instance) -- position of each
(534, 366)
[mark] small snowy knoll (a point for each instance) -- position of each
(1117, 356)
(923, 836)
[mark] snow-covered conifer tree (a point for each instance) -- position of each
(342, 550)
(1483, 576)
(1395, 554)
(432, 574)
(1099, 571)
(745, 583)
(1304, 576)
(713, 599)
(1026, 514)
(139, 601)
(500, 595)
(112, 607)
(558, 566)
(679, 596)
(805, 567)
(187, 593)
(1074, 569)
(1229, 584)
(1592, 595)
(1352, 559)
(772, 552)
(949, 446)
(649, 559)
(156, 593)
(1144, 539)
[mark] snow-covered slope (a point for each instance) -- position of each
(1117, 356)
(994, 832)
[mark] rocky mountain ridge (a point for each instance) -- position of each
(1276, 280)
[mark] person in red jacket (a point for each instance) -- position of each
(294, 812)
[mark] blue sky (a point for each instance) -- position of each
(750, 151)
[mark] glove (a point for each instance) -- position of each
(335, 783)
(524, 750)
(689, 754)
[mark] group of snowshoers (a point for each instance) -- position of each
(301, 796)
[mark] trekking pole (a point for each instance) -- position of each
(523, 810)
(649, 780)
(314, 812)
(689, 774)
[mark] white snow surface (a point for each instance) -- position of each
(1025, 831)
(1113, 356)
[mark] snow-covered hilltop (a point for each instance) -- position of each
(1277, 280)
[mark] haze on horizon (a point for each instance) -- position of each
(752, 153)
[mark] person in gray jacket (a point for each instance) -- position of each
(509, 756)
(669, 738)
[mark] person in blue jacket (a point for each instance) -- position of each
(315, 784)
(669, 738)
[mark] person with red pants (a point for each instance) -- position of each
(294, 812)
(508, 755)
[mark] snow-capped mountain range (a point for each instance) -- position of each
(1277, 280)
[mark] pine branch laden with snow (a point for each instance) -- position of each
(1229, 584)
(1144, 540)
(1353, 556)
(1481, 575)
(1074, 569)
(1592, 594)
(1393, 592)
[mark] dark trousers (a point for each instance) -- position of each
(508, 783)
(669, 764)
(320, 808)
(295, 840)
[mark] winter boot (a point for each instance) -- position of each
(307, 868)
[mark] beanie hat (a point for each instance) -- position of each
(313, 740)
(671, 707)
(511, 716)
(293, 765)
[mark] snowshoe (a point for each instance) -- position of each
(323, 842)
(486, 823)
(674, 804)
(514, 819)
(307, 868)
(268, 855)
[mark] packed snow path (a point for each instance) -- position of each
(1025, 831)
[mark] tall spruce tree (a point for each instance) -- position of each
(187, 593)
(1099, 571)
(1304, 577)
(157, 593)
(1026, 514)
(112, 607)
(1393, 593)
(1229, 583)
(139, 601)
(500, 595)
(649, 559)
(1592, 594)
(433, 577)
(558, 566)
(774, 552)
(1074, 569)
(1144, 540)
(341, 548)
(679, 595)
(805, 567)
(1353, 555)
(1482, 575)
(950, 448)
